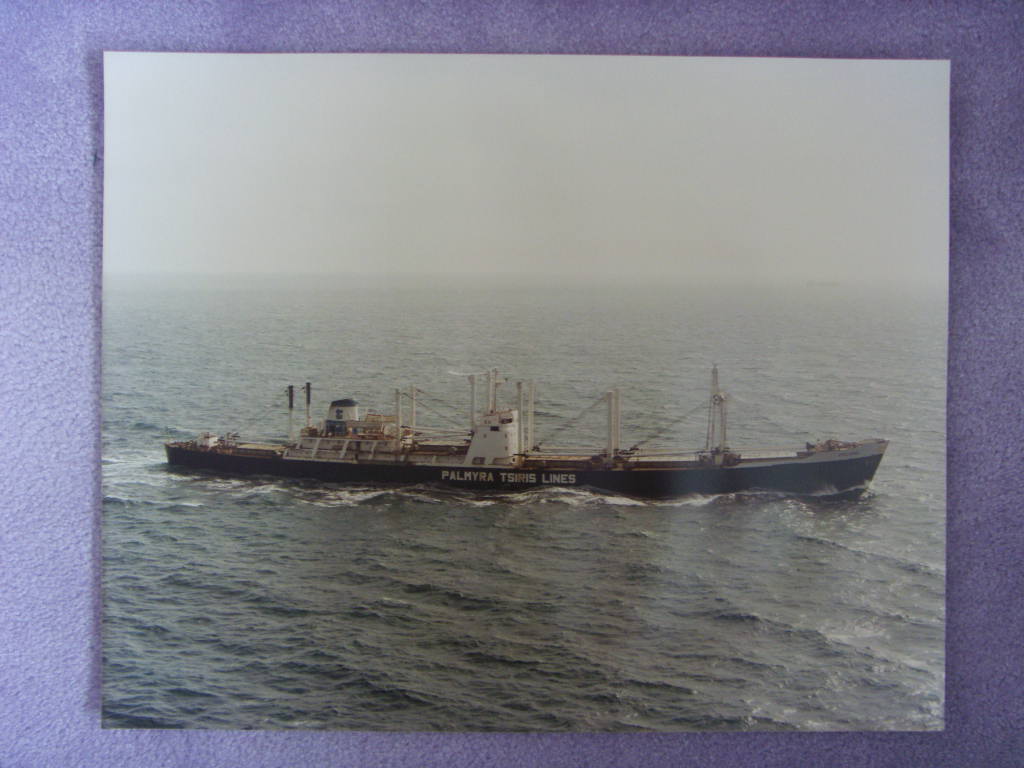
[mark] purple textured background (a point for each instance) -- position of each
(50, 226)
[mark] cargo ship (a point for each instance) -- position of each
(497, 451)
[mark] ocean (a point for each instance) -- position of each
(261, 603)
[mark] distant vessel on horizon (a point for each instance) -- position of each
(499, 452)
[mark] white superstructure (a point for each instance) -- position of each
(495, 439)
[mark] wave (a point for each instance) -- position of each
(692, 500)
(159, 429)
(345, 498)
(495, 657)
(112, 718)
(111, 500)
(738, 616)
(436, 494)
(191, 693)
(911, 566)
(571, 497)
(454, 597)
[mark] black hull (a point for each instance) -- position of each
(833, 475)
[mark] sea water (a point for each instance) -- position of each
(254, 602)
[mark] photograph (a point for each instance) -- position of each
(524, 393)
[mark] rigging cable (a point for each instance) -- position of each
(784, 428)
(259, 417)
(421, 404)
(666, 427)
(572, 422)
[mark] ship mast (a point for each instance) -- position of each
(291, 410)
(716, 416)
(412, 407)
(493, 384)
(524, 400)
(530, 409)
(520, 421)
(492, 395)
(614, 422)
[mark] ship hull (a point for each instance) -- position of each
(844, 473)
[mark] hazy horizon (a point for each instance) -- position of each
(498, 283)
(705, 170)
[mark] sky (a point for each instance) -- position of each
(694, 169)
